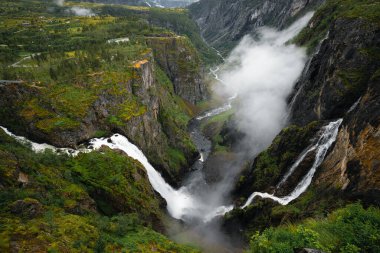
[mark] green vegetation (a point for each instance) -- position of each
(350, 229)
(181, 23)
(270, 164)
(174, 116)
(212, 128)
(368, 10)
(77, 81)
(56, 203)
(73, 78)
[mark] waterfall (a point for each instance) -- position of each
(225, 107)
(180, 203)
(327, 138)
(40, 147)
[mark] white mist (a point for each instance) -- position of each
(262, 73)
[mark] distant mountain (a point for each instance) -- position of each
(150, 3)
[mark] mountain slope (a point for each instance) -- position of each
(224, 23)
(76, 82)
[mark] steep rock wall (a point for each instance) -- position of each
(344, 68)
(224, 23)
(338, 74)
(353, 166)
(181, 62)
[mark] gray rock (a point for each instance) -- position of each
(337, 74)
(224, 22)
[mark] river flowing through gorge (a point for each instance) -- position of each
(258, 77)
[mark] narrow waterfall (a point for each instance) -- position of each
(327, 138)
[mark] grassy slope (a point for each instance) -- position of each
(350, 229)
(74, 67)
(71, 197)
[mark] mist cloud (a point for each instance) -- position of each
(262, 74)
(79, 11)
(76, 10)
(59, 2)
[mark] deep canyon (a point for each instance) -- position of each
(220, 126)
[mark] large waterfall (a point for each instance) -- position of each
(180, 203)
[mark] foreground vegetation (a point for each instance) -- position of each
(351, 229)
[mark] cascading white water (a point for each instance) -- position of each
(295, 165)
(327, 138)
(180, 203)
(215, 111)
(40, 147)
(223, 108)
(276, 61)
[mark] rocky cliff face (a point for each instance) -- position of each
(132, 107)
(224, 23)
(341, 81)
(181, 62)
(353, 165)
(338, 74)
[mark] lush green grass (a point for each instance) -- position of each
(181, 23)
(213, 126)
(350, 229)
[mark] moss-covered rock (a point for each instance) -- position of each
(341, 68)
(272, 163)
(181, 63)
(63, 205)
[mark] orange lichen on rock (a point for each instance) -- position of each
(139, 63)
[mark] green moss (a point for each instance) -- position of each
(33, 110)
(70, 189)
(129, 109)
(270, 164)
(354, 80)
(351, 228)
(176, 158)
(54, 124)
(70, 100)
(332, 10)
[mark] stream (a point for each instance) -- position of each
(262, 94)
